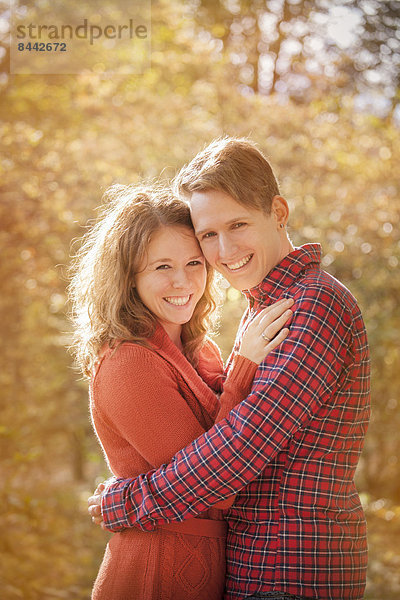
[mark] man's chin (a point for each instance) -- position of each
(242, 283)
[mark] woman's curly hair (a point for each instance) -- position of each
(106, 308)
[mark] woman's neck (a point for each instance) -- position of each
(174, 332)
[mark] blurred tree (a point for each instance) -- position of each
(285, 46)
(376, 55)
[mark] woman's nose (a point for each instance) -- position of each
(180, 279)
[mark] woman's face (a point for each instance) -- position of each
(171, 278)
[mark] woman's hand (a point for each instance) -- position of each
(265, 332)
(94, 505)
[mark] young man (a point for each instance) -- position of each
(290, 449)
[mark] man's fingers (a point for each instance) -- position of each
(100, 488)
(94, 510)
(95, 499)
(94, 506)
(97, 520)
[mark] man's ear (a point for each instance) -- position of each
(280, 210)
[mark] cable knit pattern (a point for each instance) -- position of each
(146, 404)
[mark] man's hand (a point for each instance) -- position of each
(94, 506)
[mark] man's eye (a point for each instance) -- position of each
(237, 225)
(208, 235)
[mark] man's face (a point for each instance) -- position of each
(242, 243)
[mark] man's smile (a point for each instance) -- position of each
(239, 264)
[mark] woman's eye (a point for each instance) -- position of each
(195, 263)
(162, 267)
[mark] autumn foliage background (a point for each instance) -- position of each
(326, 115)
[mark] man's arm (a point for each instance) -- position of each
(291, 384)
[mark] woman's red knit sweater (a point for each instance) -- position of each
(146, 404)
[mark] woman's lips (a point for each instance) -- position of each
(178, 300)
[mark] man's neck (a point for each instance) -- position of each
(287, 248)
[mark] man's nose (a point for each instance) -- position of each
(226, 248)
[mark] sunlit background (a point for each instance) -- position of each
(316, 85)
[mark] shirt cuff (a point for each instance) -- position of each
(113, 505)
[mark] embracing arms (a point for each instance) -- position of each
(221, 462)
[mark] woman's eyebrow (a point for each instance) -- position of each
(159, 260)
(162, 260)
(197, 256)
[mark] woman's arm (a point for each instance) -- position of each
(254, 348)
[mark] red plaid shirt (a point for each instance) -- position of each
(289, 451)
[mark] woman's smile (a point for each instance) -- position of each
(178, 300)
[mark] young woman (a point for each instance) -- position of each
(143, 298)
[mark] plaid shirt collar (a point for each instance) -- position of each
(284, 274)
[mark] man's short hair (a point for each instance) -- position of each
(232, 165)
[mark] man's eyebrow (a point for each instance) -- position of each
(230, 222)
